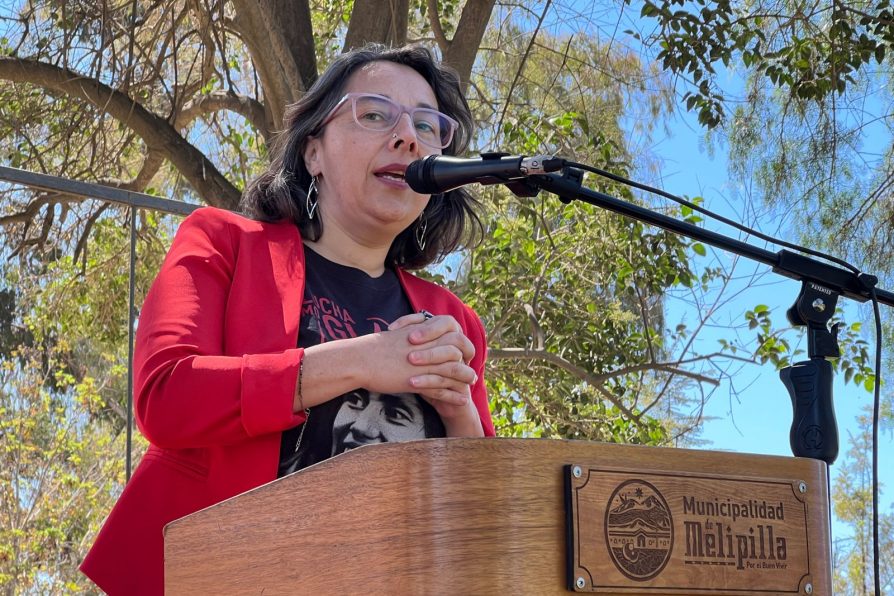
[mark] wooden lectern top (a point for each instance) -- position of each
(516, 516)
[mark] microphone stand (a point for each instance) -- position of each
(814, 432)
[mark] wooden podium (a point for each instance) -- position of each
(515, 516)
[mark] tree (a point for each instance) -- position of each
(852, 500)
(139, 85)
(180, 98)
(150, 70)
(600, 343)
(808, 127)
(62, 422)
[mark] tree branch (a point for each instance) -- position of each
(150, 167)
(667, 367)
(27, 214)
(247, 107)
(208, 42)
(437, 30)
(389, 26)
(521, 67)
(536, 329)
(593, 380)
(279, 37)
(81, 246)
(155, 131)
(461, 52)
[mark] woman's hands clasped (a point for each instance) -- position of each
(439, 353)
(418, 353)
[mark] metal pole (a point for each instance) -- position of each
(131, 319)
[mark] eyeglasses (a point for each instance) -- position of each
(380, 114)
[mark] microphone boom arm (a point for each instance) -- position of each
(814, 431)
(569, 186)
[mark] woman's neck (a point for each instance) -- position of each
(347, 249)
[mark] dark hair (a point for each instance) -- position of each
(280, 192)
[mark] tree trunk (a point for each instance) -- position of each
(377, 21)
(463, 48)
(279, 37)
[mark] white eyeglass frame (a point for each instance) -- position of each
(353, 97)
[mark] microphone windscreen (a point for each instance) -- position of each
(418, 176)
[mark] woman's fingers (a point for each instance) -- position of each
(424, 328)
(432, 328)
(447, 375)
(458, 371)
(436, 355)
(439, 389)
(455, 339)
(406, 320)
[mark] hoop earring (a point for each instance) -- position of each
(310, 203)
(421, 227)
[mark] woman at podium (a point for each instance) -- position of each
(275, 339)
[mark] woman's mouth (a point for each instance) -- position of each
(391, 176)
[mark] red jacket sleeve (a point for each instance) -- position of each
(479, 389)
(189, 392)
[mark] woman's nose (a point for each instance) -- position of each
(404, 133)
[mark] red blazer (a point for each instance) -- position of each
(215, 368)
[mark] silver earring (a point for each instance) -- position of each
(310, 203)
(421, 226)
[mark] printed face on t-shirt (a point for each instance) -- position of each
(367, 417)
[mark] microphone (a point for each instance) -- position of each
(441, 173)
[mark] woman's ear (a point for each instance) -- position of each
(311, 156)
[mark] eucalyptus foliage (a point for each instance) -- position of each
(180, 99)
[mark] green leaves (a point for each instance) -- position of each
(571, 281)
(57, 479)
(803, 48)
(851, 501)
(63, 390)
(774, 346)
(856, 362)
(570, 295)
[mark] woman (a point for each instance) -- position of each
(258, 334)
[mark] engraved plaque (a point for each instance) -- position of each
(635, 531)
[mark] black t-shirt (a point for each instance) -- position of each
(342, 302)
